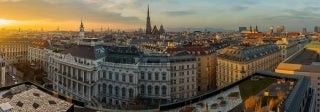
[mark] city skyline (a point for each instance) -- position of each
(173, 14)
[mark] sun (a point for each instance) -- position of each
(6, 22)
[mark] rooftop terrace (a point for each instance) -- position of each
(265, 86)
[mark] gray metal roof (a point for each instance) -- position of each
(86, 51)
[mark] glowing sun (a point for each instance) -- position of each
(6, 22)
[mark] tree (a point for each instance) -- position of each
(251, 102)
(280, 95)
(258, 107)
(272, 103)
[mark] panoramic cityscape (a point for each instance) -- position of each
(159, 55)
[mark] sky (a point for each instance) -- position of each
(172, 14)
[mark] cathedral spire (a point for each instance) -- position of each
(148, 24)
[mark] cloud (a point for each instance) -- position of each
(178, 13)
(239, 8)
(62, 10)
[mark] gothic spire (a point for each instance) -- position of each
(148, 24)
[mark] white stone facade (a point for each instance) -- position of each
(121, 83)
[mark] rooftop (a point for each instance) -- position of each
(243, 53)
(86, 51)
(260, 83)
(32, 99)
(306, 57)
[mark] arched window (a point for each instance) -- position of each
(99, 88)
(156, 90)
(110, 90)
(104, 89)
(123, 92)
(164, 90)
(149, 90)
(142, 89)
(131, 93)
(117, 91)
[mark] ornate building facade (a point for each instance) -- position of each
(235, 63)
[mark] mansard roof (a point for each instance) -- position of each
(243, 53)
(40, 43)
(86, 51)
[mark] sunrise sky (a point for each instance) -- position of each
(131, 14)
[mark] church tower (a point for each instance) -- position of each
(81, 33)
(148, 25)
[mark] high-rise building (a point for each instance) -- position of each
(280, 29)
(242, 28)
(304, 30)
(148, 25)
(256, 30)
(316, 29)
(250, 29)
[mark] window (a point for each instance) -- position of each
(123, 92)
(117, 76)
(149, 76)
(157, 90)
(142, 89)
(130, 78)
(117, 91)
(123, 77)
(104, 74)
(164, 76)
(110, 75)
(110, 90)
(131, 93)
(164, 90)
(149, 90)
(142, 75)
(156, 76)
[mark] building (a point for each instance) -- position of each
(38, 53)
(238, 62)
(206, 65)
(148, 24)
(304, 30)
(118, 84)
(118, 75)
(280, 29)
(242, 28)
(76, 70)
(14, 50)
(305, 63)
(294, 94)
(316, 29)
(289, 46)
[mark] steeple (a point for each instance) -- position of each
(81, 32)
(148, 24)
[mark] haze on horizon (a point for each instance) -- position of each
(182, 14)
